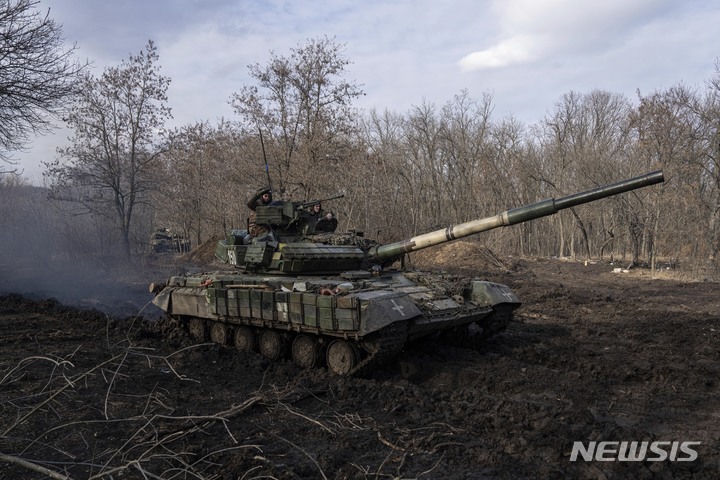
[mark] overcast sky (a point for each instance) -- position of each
(525, 53)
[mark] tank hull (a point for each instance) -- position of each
(359, 319)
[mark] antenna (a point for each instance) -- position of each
(267, 167)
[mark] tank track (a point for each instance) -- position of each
(474, 335)
(383, 348)
(497, 321)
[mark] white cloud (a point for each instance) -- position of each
(514, 50)
(535, 30)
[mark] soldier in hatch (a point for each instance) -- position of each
(325, 221)
(261, 198)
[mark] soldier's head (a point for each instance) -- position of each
(317, 207)
(264, 196)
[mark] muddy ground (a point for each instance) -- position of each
(592, 355)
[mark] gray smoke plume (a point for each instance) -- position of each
(46, 253)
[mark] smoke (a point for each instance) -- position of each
(117, 293)
(47, 253)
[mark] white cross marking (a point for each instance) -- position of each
(509, 296)
(399, 308)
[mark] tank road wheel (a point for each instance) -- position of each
(244, 339)
(305, 351)
(271, 344)
(219, 333)
(342, 357)
(197, 328)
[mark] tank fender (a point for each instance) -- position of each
(489, 294)
(162, 299)
(380, 308)
(192, 301)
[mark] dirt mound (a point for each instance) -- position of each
(461, 255)
(204, 254)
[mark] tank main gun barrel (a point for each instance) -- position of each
(511, 217)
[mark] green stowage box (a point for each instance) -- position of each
(244, 301)
(259, 254)
(346, 302)
(282, 306)
(221, 251)
(269, 215)
(216, 301)
(296, 307)
(256, 303)
(327, 301)
(268, 305)
(212, 303)
(283, 315)
(309, 299)
(325, 304)
(326, 318)
(347, 313)
(310, 309)
(220, 301)
(236, 254)
(233, 304)
(347, 319)
(310, 315)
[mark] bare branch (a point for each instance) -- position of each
(32, 466)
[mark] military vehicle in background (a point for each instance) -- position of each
(165, 241)
(333, 298)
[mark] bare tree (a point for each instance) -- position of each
(37, 74)
(384, 199)
(426, 164)
(465, 133)
(199, 195)
(563, 133)
(667, 133)
(585, 143)
(108, 169)
(681, 129)
(301, 106)
(710, 138)
(510, 150)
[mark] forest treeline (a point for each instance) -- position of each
(123, 175)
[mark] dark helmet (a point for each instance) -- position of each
(264, 191)
(257, 199)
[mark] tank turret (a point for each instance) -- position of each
(324, 298)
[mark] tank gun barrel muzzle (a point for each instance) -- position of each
(551, 206)
(622, 186)
(513, 216)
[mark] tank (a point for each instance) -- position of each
(335, 299)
